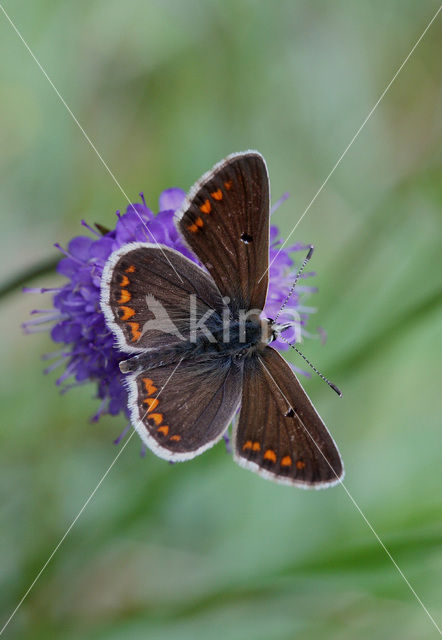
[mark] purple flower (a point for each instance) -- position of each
(87, 347)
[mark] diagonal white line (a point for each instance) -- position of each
(104, 163)
(62, 539)
(401, 573)
(341, 157)
(66, 534)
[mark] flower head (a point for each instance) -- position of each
(77, 324)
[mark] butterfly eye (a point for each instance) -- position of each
(246, 238)
(290, 413)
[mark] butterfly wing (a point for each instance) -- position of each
(181, 409)
(225, 221)
(279, 433)
(147, 293)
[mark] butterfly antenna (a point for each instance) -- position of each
(292, 288)
(330, 384)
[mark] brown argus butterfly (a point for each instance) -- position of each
(203, 330)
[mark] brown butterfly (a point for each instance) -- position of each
(203, 331)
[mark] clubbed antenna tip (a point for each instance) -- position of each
(330, 384)
(335, 388)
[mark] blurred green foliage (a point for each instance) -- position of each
(205, 549)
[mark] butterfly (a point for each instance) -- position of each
(199, 351)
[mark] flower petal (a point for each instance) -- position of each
(79, 247)
(171, 199)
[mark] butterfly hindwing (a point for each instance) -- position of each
(279, 433)
(225, 221)
(181, 409)
(146, 295)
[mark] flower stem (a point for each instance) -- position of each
(27, 275)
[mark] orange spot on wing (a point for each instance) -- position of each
(130, 269)
(135, 328)
(228, 184)
(193, 228)
(256, 446)
(206, 207)
(152, 403)
(300, 464)
(124, 281)
(175, 438)
(217, 195)
(270, 455)
(164, 430)
(199, 222)
(124, 296)
(247, 445)
(149, 386)
(127, 313)
(157, 418)
(286, 461)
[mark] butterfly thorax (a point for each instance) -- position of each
(240, 338)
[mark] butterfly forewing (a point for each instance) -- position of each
(225, 221)
(279, 434)
(147, 293)
(196, 407)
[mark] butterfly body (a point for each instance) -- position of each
(245, 339)
(198, 345)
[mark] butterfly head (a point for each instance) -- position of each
(275, 329)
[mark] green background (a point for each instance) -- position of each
(206, 549)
